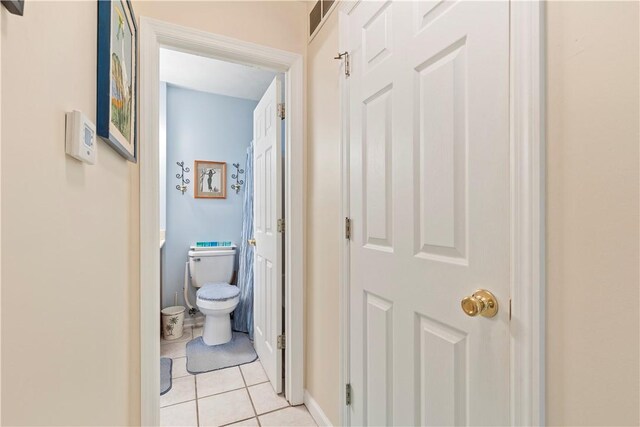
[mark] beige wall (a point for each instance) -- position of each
(323, 220)
(69, 331)
(70, 353)
(592, 214)
(86, 284)
(592, 323)
(279, 24)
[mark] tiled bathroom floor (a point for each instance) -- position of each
(238, 396)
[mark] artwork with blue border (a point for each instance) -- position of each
(117, 77)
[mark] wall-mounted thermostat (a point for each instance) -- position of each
(81, 137)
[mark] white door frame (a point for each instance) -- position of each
(155, 34)
(527, 157)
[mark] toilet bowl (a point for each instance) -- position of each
(211, 270)
(216, 301)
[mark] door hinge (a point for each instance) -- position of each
(509, 308)
(347, 62)
(282, 342)
(347, 394)
(347, 228)
(281, 226)
(281, 111)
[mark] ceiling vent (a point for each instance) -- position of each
(318, 15)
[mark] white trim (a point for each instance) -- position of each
(343, 269)
(149, 229)
(295, 232)
(1, 32)
(527, 370)
(316, 411)
(527, 213)
(155, 34)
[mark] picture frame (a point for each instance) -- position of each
(211, 180)
(117, 89)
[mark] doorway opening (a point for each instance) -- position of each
(228, 215)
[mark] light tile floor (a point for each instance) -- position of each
(238, 396)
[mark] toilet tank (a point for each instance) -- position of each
(211, 265)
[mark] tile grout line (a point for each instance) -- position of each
(265, 413)
(182, 401)
(195, 384)
(250, 399)
(238, 421)
(291, 406)
(245, 387)
(178, 403)
(279, 409)
(221, 392)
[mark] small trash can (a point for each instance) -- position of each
(172, 322)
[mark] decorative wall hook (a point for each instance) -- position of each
(184, 181)
(238, 185)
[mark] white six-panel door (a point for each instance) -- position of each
(267, 162)
(429, 203)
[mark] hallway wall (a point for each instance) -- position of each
(593, 328)
(69, 275)
(82, 301)
(90, 213)
(323, 221)
(593, 226)
(279, 24)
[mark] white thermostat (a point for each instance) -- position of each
(81, 137)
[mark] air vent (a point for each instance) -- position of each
(326, 5)
(318, 15)
(315, 17)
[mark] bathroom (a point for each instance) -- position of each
(207, 245)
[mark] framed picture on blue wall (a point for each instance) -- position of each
(117, 96)
(212, 180)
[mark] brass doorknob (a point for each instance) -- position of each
(482, 302)
(252, 242)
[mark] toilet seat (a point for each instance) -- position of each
(216, 301)
(217, 292)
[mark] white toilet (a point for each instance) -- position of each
(211, 270)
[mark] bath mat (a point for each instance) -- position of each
(165, 374)
(204, 358)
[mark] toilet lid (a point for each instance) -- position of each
(217, 292)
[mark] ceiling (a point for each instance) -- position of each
(213, 76)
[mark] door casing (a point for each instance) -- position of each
(155, 34)
(527, 191)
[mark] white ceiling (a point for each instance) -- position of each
(213, 76)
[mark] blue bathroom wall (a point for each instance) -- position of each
(201, 126)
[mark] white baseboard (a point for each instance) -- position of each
(316, 411)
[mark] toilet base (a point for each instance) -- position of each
(217, 329)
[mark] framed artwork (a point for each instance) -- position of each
(117, 95)
(14, 6)
(212, 180)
